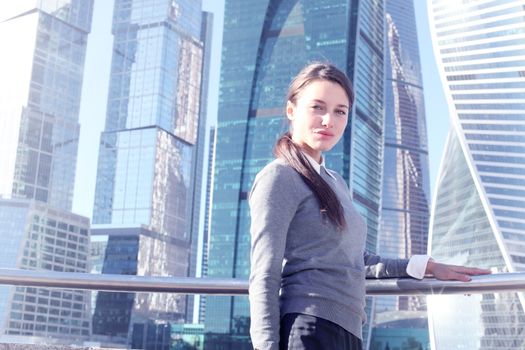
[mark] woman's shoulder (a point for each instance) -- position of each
(277, 166)
(277, 170)
(276, 180)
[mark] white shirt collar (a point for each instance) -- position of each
(316, 165)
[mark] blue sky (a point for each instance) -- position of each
(96, 81)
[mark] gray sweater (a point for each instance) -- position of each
(300, 261)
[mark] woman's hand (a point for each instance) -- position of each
(446, 272)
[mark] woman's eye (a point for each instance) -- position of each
(316, 107)
(340, 112)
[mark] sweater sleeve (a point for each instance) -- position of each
(378, 267)
(273, 203)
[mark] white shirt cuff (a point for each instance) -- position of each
(417, 266)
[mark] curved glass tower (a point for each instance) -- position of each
(265, 43)
(478, 214)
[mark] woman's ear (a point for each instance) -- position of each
(290, 110)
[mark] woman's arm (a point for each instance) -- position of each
(378, 267)
(272, 208)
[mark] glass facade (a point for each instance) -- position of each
(42, 70)
(13, 219)
(265, 43)
(36, 237)
(202, 256)
(200, 168)
(40, 98)
(145, 187)
(401, 330)
(405, 197)
(144, 179)
(478, 210)
(136, 251)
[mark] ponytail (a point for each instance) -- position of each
(287, 150)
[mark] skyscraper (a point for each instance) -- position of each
(42, 63)
(202, 266)
(262, 51)
(40, 90)
(199, 167)
(38, 237)
(145, 181)
(478, 211)
(405, 196)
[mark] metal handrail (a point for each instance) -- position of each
(501, 282)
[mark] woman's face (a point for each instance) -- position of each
(318, 117)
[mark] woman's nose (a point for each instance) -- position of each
(327, 119)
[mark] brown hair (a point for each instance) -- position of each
(286, 149)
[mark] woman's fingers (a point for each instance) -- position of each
(456, 273)
(471, 270)
(462, 277)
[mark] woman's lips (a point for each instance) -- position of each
(323, 133)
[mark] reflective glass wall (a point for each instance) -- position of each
(478, 212)
(42, 62)
(40, 91)
(37, 237)
(406, 194)
(145, 181)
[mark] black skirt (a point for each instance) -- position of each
(305, 332)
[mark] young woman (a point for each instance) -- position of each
(307, 282)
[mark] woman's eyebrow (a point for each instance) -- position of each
(323, 102)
